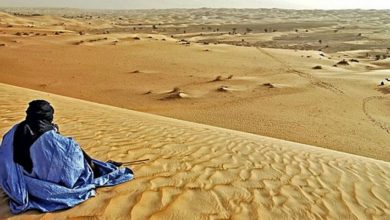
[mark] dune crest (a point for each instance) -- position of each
(201, 172)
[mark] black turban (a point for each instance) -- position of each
(38, 121)
(40, 110)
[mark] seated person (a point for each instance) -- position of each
(41, 169)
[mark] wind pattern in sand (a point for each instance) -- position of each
(203, 172)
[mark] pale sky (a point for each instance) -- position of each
(150, 4)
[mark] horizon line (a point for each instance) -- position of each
(117, 9)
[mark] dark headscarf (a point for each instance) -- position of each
(38, 121)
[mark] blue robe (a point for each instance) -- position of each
(61, 177)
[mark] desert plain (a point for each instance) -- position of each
(247, 113)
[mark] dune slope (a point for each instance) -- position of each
(203, 172)
(302, 76)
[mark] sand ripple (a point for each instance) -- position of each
(203, 172)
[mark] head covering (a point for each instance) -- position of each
(38, 121)
(40, 110)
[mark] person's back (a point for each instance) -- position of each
(39, 120)
(41, 169)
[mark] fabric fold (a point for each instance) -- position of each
(61, 178)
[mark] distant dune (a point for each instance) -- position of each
(227, 78)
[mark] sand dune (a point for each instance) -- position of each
(316, 107)
(203, 172)
(175, 93)
(384, 63)
(247, 70)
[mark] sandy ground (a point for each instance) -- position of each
(205, 76)
(268, 72)
(202, 172)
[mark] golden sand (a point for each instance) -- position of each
(183, 65)
(265, 91)
(203, 172)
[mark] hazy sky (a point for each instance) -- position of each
(137, 4)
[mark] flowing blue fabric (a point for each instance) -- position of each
(61, 178)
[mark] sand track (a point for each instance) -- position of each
(313, 80)
(383, 125)
(203, 172)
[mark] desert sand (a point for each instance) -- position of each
(247, 114)
(268, 71)
(203, 172)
